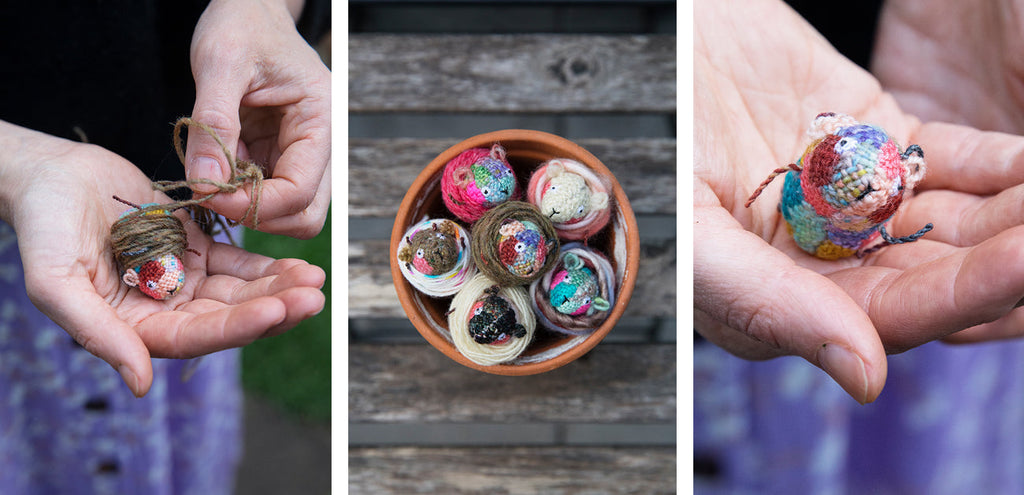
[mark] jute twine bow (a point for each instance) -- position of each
(152, 231)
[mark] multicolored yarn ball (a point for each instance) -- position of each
(512, 242)
(848, 183)
(434, 256)
(576, 295)
(490, 324)
(148, 242)
(572, 196)
(477, 180)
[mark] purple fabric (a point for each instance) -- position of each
(68, 425)
(949, 421)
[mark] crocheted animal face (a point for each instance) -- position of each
(847, 184)
(433, 251)
(493, 181)
(567, 197)
(159, 278)
(521, 247)
(574, 289)
(493, 320)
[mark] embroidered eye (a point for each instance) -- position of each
(419, 253)
(553, 188)
(586, 301)
(151, 284)
(486, 191)
(479, 310)
(579, 211)
(520, 247)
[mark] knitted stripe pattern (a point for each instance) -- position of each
(849, 182)
(558, 298)
(511, 244)
(575, 198)
(477, 180)
(434, 256)
(500, 318)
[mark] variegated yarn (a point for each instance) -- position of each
(490, 324)
(434, 256)
(511, 243)
(574, 197)
(576, 295)
(848, 183)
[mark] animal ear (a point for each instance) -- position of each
(828, 123)
(599, 201)
(555, 169)
(404, 254)
(130, 278)
(447, 227)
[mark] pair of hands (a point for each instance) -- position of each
(761, 75)
(267, 94)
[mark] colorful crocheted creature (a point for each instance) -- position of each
(432, 251)
(158, 278)
(493, 320)
(521, 247)
(572, 196)
(574, 289)
(848, 183)
(149, 260)
(476, 180)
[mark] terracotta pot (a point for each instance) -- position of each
(526, 151)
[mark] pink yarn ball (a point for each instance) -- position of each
(477, 180)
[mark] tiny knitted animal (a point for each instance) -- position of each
(849, 182)
(574, 289)
(494, 321)
(477, 180)
(147, 242)
(567, 197)
(158, 278)
(521, 248)
(432, 251)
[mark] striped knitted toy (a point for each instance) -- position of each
(849, 182)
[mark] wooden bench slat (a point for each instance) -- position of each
(381, 170)
(372, 291)
(512, 73)
(549, 470)
(418, 384)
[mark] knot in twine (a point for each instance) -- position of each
(511, 243)
(151, 231)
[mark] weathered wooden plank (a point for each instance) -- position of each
(372, 291)
(381, 170)
(513, 471)
(512, 73)
(417, 384)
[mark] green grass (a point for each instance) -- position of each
(294, 369)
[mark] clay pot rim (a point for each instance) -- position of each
(508, 138)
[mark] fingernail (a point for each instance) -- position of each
(846, 368)
(204, 167)
(129, 379)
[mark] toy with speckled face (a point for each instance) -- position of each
(848, 183)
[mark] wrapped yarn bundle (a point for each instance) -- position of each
(514, 244)
(148, 242)
(477, 180)
(575, 296)
(489, 324)
(572, 196)
(434, 256)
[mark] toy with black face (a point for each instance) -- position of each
(493, 320)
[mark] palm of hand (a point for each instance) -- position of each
(752, 102)
(230, 297)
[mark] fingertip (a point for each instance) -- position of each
(139, 382)
(863, 382)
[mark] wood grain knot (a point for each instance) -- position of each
(574, 71)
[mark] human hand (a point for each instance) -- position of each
(761, 75)
(954, 61)
(264, 90)
(57, 195)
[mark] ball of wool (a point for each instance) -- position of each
(490, 324)
(477, 180)
(576, 295)
(575, 198)
(148, 242)
(434, 256)
(511, 243)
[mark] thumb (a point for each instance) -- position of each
(764, 305)
(218, 95)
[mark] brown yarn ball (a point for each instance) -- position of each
(514, 244)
